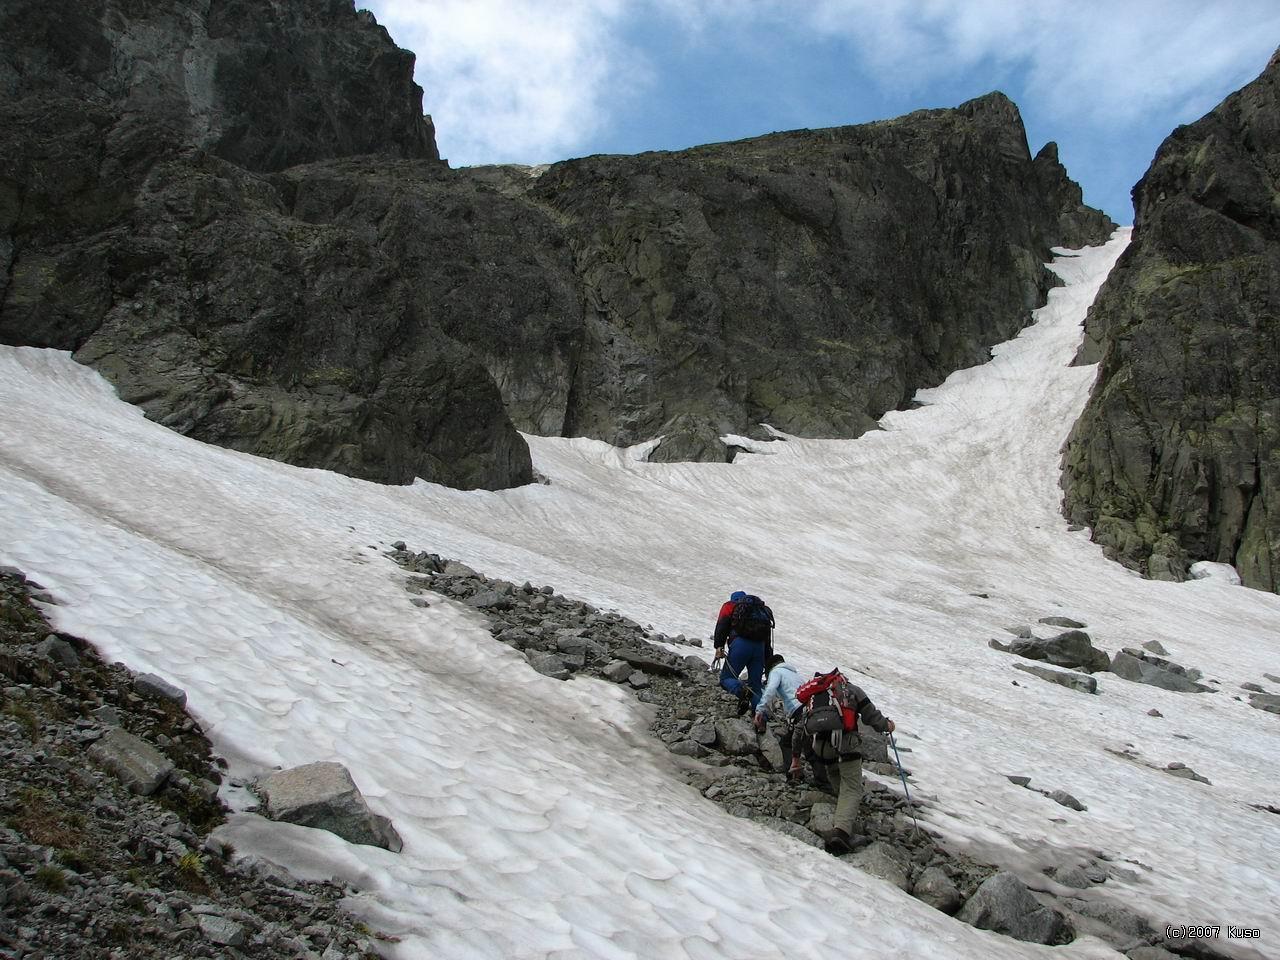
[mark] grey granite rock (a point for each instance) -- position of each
(158, 688)
(323, 795)
(140, 766)
(1073, 681)
(1142, 667)
(1003, 903)
(1172, 460)
(935, 888)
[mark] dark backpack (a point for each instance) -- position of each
(828, 704)
(752, 619)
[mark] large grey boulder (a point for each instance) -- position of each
(935, 888)
(1173, 459)
(1269, 702)
(884, 861)
(736, 737)
(1073, 648)
(323, 795)
(158, 688)
(1073, 681)
(138, 765)
(1143, 667)
(1004, 904)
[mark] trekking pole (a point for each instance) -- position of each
(910, 806)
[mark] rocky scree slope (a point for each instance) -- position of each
(236, 213)
(1177, 455)
(107, 795)
(732, 765)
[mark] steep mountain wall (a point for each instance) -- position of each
(812, 280)
(1177, 455)
(236, 212)
(138, 229)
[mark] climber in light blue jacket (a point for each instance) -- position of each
(782, 685)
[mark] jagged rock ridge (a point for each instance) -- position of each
(1177, 455)
(236, 213)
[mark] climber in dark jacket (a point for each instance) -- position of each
(743, 646)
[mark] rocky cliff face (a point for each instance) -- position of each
(140, 231)
(1177, 455)
(236, 212)
(812, 280)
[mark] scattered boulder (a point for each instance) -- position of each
(158, 688)
(687, 748)
(703, 733)
(1018, 781)
(547, 664)
(1062, 622)
(1113, 915)
(1156, 647)
(221, 930)
(1003, 903)
(1073, 681)
(1072, 876)
(1022, 632)
(1143, 667)
(1066, 800)
(617, 671)
(138, 765)
(736, 737)
(935, 888)
(1070, 649)
(803, 834)
(882, 860)
(57, 650)
(654, 662)
(822, 817)
(323, 795)
(1269, 702)
(637, 680)
(1181, 770)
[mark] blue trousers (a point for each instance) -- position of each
(749, 654)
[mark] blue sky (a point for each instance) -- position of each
(533, 81)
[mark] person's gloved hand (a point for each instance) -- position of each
(760, 722)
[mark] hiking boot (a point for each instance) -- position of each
(835, 842)
(857, 841)
(744, 702)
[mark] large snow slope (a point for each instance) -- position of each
(538, 817)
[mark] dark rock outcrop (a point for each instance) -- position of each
(1177, 455)
(812, 279)
(139, 227)
(1078, 225)
(237, 214)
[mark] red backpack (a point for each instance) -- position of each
(828, 705)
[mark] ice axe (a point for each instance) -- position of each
(910, 806)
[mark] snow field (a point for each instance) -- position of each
(538, 818)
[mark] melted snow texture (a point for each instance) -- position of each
(538, 819)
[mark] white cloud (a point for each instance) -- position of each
(515, 80)
(534, 80)
(1099, 62)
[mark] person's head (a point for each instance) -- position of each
(738, 595)
(773, 661)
